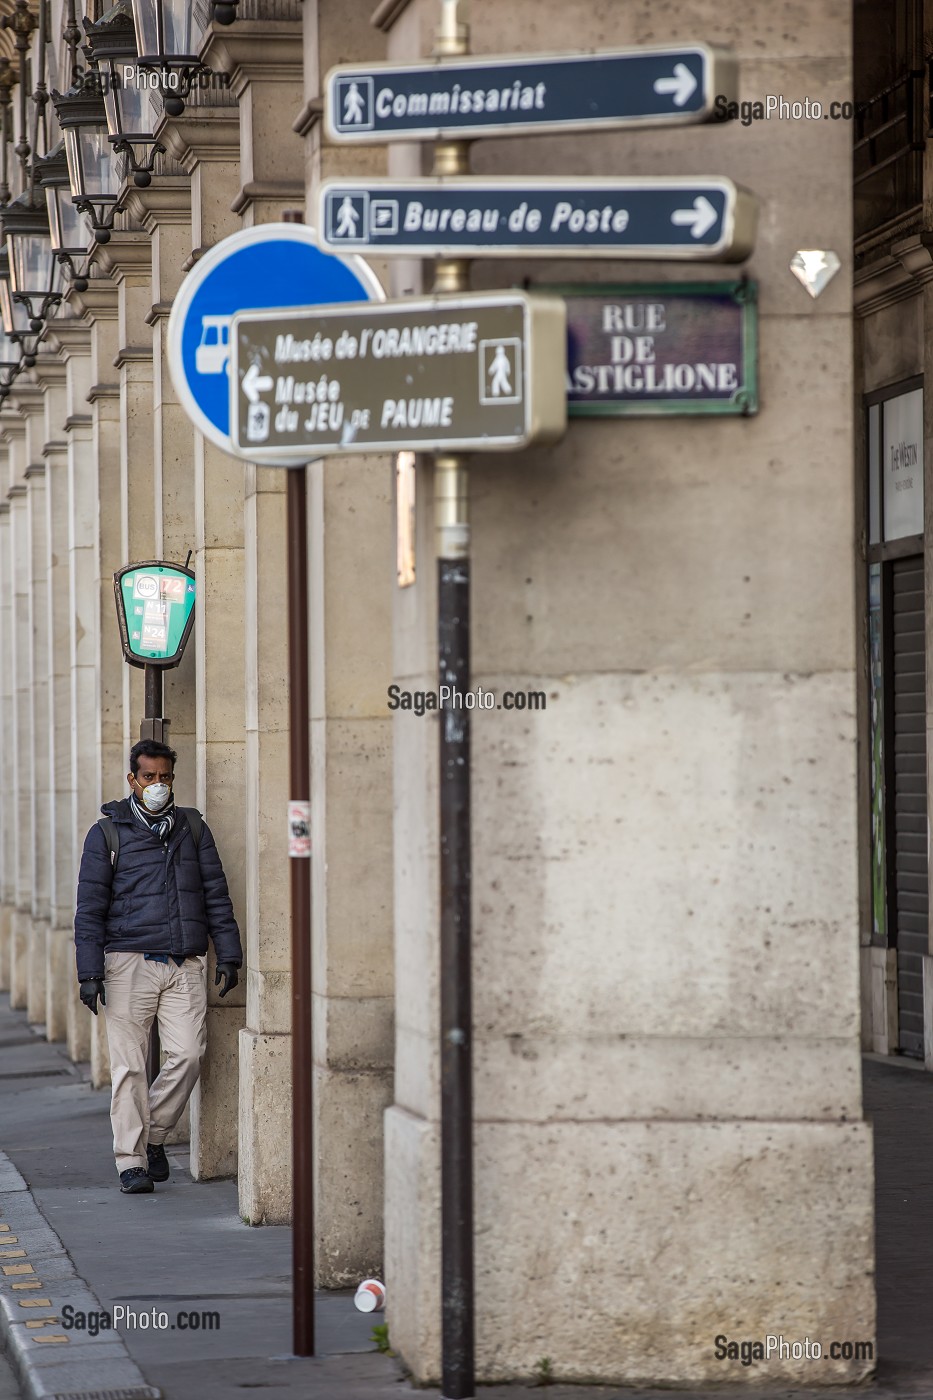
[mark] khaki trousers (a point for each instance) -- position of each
(137, 991)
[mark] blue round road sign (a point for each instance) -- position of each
(270, 266)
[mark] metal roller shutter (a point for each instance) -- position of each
(911, 901)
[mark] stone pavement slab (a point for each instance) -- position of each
(183, 1250)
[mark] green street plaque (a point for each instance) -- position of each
(155, 610)
(649, 348)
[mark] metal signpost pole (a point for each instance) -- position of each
(153, 727)
(452, 523)
(299, 763)
(300, 884)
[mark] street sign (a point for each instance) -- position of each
(680, 217)
(155, 611)
(455, 373)
(661, 348)
(270, 265)
(523, 94)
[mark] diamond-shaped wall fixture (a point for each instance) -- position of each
(815, 268)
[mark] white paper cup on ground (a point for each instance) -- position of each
(370, 1296)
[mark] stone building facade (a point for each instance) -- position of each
(669, 1139)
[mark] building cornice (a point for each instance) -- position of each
(309, 116)
(127, 255)
(67, 338)
(202, 136)
(100, 302)
(103, 391)
(166, 201)
(133, 355)
(894, 275)
(257, 51)
(286, 192)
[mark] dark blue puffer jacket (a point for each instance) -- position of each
(159, 899)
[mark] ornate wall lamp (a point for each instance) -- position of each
(129, 104)
(69, 233)
(93, 179)
(168, 36)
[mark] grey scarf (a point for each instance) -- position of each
(159, 822)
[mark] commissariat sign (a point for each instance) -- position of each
(454, 373)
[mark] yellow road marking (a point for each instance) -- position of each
(42, 1321)
(18, 1268)
(34, 1302)
(29, 1283)
(12, 1254)
(9, 1239)
(4, 1227)
(52, 1337)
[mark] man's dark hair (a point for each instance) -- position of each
(150, 748)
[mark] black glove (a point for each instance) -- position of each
(91, 989)
(227, 971)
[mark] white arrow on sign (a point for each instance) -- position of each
(682, 86)
(255, 383)
(699, 219)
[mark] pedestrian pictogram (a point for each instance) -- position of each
(354, 96)
(348, 216)
(500, 371)
(353, 106)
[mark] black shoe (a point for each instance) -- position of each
(158, 1163)
(135, 1180)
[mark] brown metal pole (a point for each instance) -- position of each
(299, 756)
(300, 880)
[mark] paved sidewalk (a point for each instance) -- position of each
(184, 1249)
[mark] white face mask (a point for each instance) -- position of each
(156, 795)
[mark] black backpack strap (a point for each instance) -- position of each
(195, 822)
(112, 837)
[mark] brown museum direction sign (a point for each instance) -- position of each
(478, 372)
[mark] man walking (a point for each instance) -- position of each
(151, 889)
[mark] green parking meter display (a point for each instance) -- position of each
(155, 609)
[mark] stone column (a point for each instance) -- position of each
(163, 209)
(262, 54)
(40, 784)
(49, 376)
(94, 398)
(204, 141)
(7, 809)
(127, 260)
(94, 522)
(351, 552)
(668, 1116)
(264, 62)
(26, 398)
(71, 339)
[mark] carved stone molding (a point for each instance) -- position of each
(894, 275)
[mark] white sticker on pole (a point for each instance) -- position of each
(299, 828)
